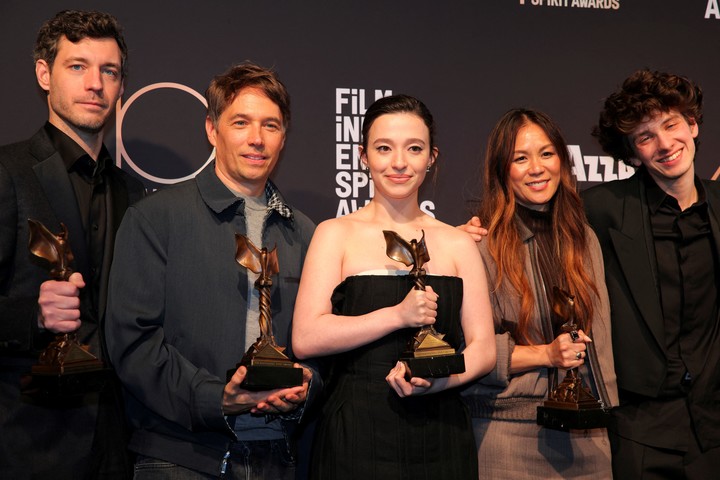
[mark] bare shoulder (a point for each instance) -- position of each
(329, 232)
(449, 235)
(341, 229)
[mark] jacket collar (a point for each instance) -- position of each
(634, 247)
(219, 198)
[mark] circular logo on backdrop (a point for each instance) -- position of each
(161, 133)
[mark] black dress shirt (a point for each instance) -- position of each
(90, 184)
(687, 275)
(686, 279)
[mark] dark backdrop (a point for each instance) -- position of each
(469, 61)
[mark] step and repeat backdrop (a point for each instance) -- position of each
(469, 61)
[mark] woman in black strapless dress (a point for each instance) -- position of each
(357, 308)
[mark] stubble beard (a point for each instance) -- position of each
(93, 124)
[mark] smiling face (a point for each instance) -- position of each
(665, 144)
(535, 169)
(248, 139)
(398, 154)
(83, 84)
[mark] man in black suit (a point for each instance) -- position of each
(63, 174)
(660, 235)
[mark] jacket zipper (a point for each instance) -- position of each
(223, 465)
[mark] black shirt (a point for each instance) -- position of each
(686, 279)
(687, 271)
(89, 180)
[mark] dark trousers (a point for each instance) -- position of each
(262, 460)
(632, 460)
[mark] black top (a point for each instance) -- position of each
(687, 270)
(89, 180)
(540, 223)
(687, 273)
(619, 213)
(366, 430)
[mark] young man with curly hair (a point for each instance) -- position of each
(660, 235)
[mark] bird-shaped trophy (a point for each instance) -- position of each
(65, 368)
(267, 366)
(570, 405)
(428, 355)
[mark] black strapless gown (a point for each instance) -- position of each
(366, 431)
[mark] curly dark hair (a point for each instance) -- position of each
(76, 25)
(644, 94)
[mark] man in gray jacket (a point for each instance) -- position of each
(176, 328)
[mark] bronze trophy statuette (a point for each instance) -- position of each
(570, 405)
(267, 366)
(428, 355)
(65, 368)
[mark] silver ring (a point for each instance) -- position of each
(578, 355)
(574, 335)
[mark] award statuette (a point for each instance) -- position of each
(570, 405)
(65, 368)
(428, 355)
(267, 366)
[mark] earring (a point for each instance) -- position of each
(366, 169)
(427, 170)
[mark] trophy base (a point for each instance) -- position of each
(564, 418)
(268, 377)
(66, 381)
(435, 366)
(267, 368)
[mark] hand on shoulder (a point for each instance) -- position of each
(474, 228)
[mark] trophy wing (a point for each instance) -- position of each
(398, 248)
(42, 243)
(422, 251)
(563, 305)
(247, 254)
(272, 262)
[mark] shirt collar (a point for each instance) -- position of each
(656, 196)
(218, 197)
(276, 201)
(73, 155)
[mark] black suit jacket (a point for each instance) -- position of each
(34, 184)
(618, 212)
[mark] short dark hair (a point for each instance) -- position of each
(224, 88)
(397, 104)
(76, 25)
(644, 94)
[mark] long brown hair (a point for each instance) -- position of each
(568, 222)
